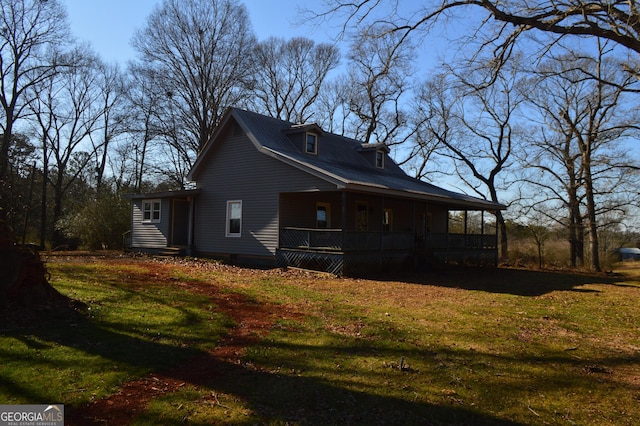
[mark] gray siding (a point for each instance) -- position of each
(149, 235)
(236, 170)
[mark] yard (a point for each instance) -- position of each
(198, 342)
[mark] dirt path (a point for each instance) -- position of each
(252, 321)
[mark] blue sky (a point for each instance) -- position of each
(109, 24)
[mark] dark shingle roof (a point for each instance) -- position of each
(340, 160)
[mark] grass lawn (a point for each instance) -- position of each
(450, 347)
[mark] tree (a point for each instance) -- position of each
(110, 88)
(145, 99)
(289, 76)
(66, 110)
(98, 224)
(379, 68)
(200, 55)
(471, 124)
(505, 22)
(585, 122)
(32, 32)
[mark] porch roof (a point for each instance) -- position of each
(163, 194)
(390, 185)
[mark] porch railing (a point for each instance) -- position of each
(337, 240)
(459, 241)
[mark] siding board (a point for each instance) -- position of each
(149, 235)
(236, 170)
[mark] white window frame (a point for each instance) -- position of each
(387, 220)
(151, 210)
(379, 155)
(315, 143)
(228, 232)
(327, 210)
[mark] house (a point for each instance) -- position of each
(270, 192)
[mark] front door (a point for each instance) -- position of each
(180, 223)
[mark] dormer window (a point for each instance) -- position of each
(311, 143)
(380, 159)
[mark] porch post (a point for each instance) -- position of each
(192, 201)
(382, 223)
(465, 222)
(413, 223)
(343, 219)
(495, 250)
(447, 236)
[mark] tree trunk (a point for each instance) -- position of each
(592, 223)
(24, 289)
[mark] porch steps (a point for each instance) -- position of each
(170, 252)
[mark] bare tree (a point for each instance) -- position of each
(200, 55)
(31, 34)
(473, 125)
(590, 119)
(66, 112)
(146, 100)
(379, 68)
(110, 88)
(290, 75)
(505, 22)
(332, 108)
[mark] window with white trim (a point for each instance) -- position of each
(234, 218)
(323, 215)
(311, 143)
(151, 211)
(380, 159)
(387, 220)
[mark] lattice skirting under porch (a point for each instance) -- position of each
(317, 261)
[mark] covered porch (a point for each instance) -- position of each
(345, 232)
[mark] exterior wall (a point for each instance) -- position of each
(149, 235)
(236, 170)
(299, 209)
(439, 219)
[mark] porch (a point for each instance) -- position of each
(338, 251)
(345, 232)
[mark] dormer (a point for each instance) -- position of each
(375, 153)
(305, 137)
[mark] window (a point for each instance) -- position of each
(151, 211)
(380, 159)
(323, 215)
(362, 216)
(311, 143)
(234, 218)
(387, 220)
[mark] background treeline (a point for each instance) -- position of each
(529, 116)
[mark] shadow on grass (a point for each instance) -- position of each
(517, 282)
(97, 353)
(501, 383)
(281, 398)
(273, 398)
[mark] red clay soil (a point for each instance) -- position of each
(252, 320)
